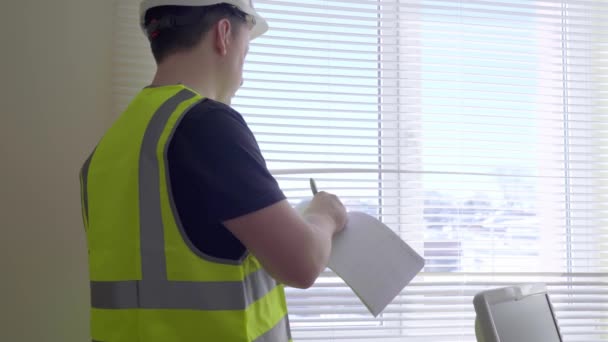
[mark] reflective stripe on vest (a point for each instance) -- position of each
(181, 295)
(278, 333)
(155, 290)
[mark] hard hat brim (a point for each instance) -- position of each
(260, 27)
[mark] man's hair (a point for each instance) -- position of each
(172, 29)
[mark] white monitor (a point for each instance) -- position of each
(516, 314)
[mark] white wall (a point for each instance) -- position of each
(55, 59)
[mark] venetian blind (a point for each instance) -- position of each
(477, 130)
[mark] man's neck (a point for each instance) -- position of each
(176, 71)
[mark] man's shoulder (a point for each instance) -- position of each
(209, 119)
(208, 110)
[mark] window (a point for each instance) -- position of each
(477, 130)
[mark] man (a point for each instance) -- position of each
(188, 233)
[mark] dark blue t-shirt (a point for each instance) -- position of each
(217, 173)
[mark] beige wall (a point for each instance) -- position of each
(55, 59)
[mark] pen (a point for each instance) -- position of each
(313, 186)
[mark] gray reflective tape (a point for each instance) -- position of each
(182, 295)
(180, 226)
(258, 284)
(151, 232)
(114, 294)
(279, 333)
(288, 326)
(84, 174)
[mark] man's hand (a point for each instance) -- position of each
(328, 204)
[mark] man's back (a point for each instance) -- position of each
(147, 282)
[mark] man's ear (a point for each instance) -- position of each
(222, 36)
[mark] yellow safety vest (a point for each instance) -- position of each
(148, 283)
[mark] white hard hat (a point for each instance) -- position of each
(260, 27)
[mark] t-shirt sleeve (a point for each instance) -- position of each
(214, 155)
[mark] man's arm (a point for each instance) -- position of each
(216, 155)
(293, 248)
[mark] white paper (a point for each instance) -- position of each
(373, 261)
